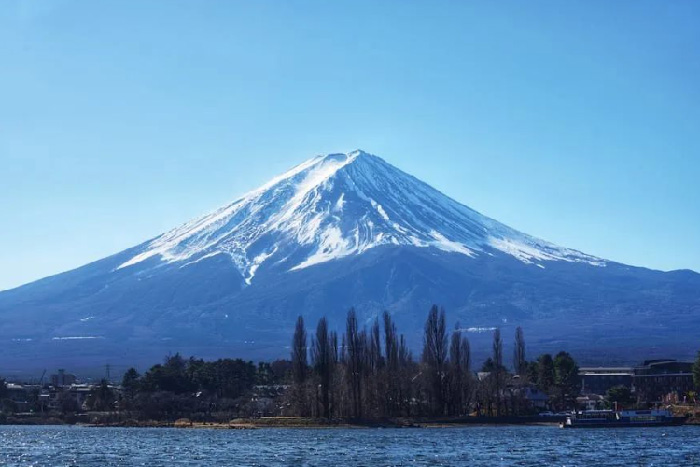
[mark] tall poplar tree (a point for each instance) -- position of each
(435, 357)
(299, 352)
(299, 368)
(323, 361)
(519, 361)
(545, 372)
(497, 356)
(355, 363)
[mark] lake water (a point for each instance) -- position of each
(473, 446)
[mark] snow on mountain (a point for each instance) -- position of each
(337, 205)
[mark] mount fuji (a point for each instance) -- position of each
(337, 231)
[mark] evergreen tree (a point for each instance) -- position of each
(171, 376)
(566, 380)
(620, 395)
(545, 372)
(531, 372)
(103, 399)
(131, 383)
(130, 380)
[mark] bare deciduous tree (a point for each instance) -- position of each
(435, 357)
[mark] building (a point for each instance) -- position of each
(652, 381)
(73, 398)
(19, 395)
(590, 402)
(62, 379)
(597, 380)
(657, 380)
(534, 397)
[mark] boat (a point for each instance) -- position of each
(621, 418)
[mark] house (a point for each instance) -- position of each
(534, 397)
(590, 402)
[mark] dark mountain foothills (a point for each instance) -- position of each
(363, 375)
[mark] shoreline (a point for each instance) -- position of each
(296, 422)
(286, 422)
(292, 422)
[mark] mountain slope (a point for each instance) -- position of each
(333, 206)
(338, 231)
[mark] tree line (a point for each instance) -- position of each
(202, 390)
(371, 373)
(361, 373)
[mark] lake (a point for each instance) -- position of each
(473, 446)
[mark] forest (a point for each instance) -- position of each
(361, 374)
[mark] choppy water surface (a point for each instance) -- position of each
(473, 446)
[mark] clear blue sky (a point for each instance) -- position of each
(578, 122)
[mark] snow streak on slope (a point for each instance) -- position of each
(338, 205)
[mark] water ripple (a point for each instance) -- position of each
(474, 446)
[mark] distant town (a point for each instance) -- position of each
(361, 376)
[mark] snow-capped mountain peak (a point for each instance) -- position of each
(340, 231)
(337, 205)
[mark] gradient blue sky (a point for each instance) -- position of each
(578, 122)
